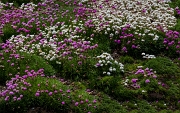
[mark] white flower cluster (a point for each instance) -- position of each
(105, 59)
(147, 14)
(49, 46)
(1, 6)
(147, 56)
(125, 82)
(83, 1)
(28, 7)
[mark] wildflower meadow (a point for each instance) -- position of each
(89, 56)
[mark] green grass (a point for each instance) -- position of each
(161, 94)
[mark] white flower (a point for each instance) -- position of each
(58, 62)
(114, 69)
(115, 62)
(139, 67)
(126, 80)
(100, 61)
(108, 29)
(103, 61)
(108, 62)
(144, 57)
(125, 84)
(111, 35)
(143, 54)
(108, 73)
(121, 68)
(110, 69)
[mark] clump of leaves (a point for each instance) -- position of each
(127, 59)
(164, 67)
(33, 89)
(12, 64)
(109, 105)
(8, 31)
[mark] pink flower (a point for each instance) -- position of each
(37, 94)
(7, 98)
(21, 96)
(68, 91)
(76, 104)
(11, 93)
(18, 99)
(134, 80)
(147, 81)
(60, 90)
(55, 91)
(82, 102)
(14, 98)
(94, 101)
(50, 93)
(12, 64)
(63, 103)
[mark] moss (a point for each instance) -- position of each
(8, 31)
(25, 61)
(108, 105)
(126, 60)
(163, 66)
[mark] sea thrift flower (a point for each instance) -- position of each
(60, 90)
(11, 93)
(63, 103)
(147, 81)
(37, 94)
(68, 91)
(50, 93)
(94, 101)
(76, 104)
(134, 80)
(7, 98)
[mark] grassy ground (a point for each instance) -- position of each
(55, 64)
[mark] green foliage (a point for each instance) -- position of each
(76, 69)
(177, 26)
(126, 59)
(173, 90)
(145, 107)
(108, 105)
(106, 83)
(147, 44)
(50, 102)
(11, 65)
(177, 62)
(8, 31)
(174, 3)
(163, 66)
(1, 41)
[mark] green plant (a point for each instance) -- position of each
(8, 31)
(109, 105)
(164, 66)
(16, 64)
(126, 59)
(46, 92)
